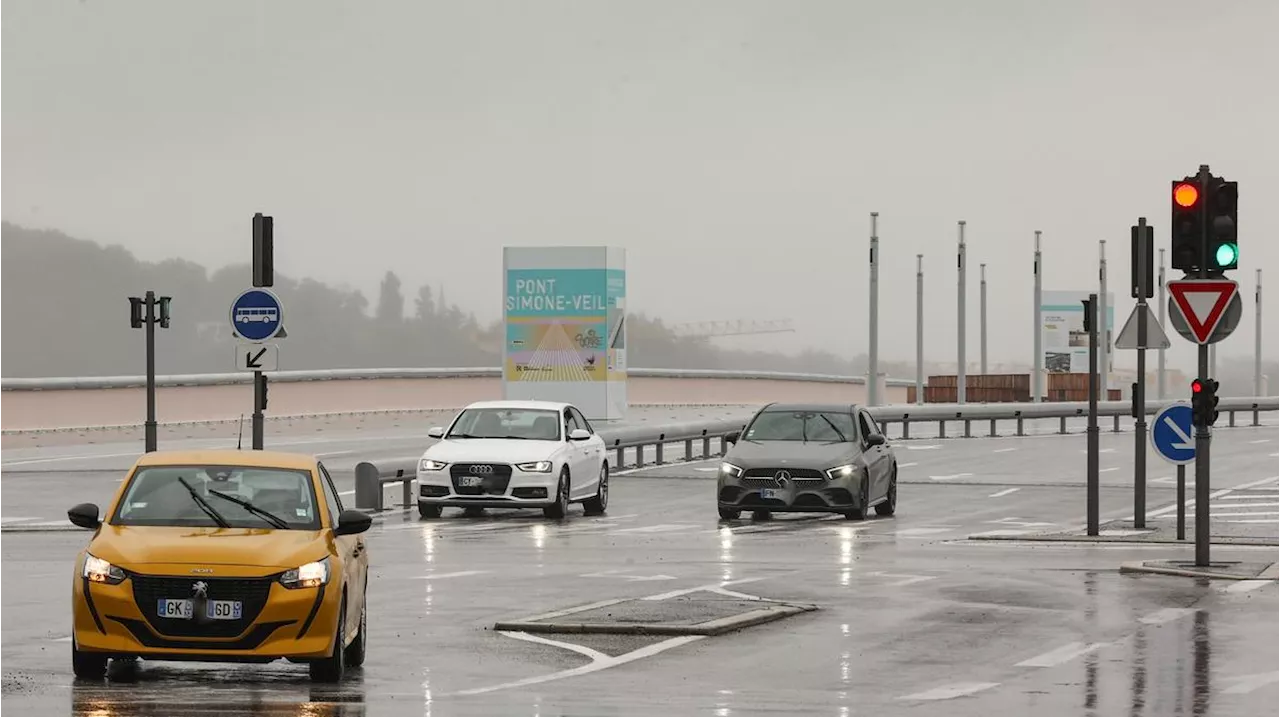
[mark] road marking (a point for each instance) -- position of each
(1006, 532)
(629, 578)
(950, 477)
(67, 458)
(922, 531)
(1169, 614)
(907, 579)
(1004, 450)
(1100, 450)
(1107, 470)
(907, 465)
(1003, 493)
(660, 528)
(1250, 505)
(701, 588)
(1247, 497)
(1262, 440)
(711, 469)
(331, 454)
(933, 447)
(947, 692)
(7, 519)
(1245, 684)
(442, 576)
(1243, 586)
(347, 492)
(1066, 653)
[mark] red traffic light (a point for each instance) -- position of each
(1186, 195)
(1196, 386)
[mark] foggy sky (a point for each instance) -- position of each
(734, 148)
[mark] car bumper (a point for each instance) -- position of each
(530, 490)
(297, 624)
(796, 496)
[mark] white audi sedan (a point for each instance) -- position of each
(515, 454)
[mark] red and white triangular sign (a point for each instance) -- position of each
(1202, 303)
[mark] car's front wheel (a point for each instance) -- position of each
(87, 665)
(860, 511)
(560, 508)
(597, 504)
(330, 669)
(890, 504)
(355, 651)
(729, 514)
(429, 511)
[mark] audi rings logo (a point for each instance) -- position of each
(482, 470)
(781, 478)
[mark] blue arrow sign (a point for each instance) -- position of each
(257, 315)
(1172, 435)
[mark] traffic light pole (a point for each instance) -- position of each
(1203, 434)
(1143, 273)
(1091, 478)
(149, 429)
(259, 403)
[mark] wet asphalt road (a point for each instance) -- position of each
(914, 619)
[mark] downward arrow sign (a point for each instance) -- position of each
(1186, 443)
(251, 361)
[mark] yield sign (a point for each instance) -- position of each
(1202, 302)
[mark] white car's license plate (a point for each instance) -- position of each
(468, 481)
(214, 609)
(771, 493)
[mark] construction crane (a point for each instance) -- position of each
(736, 327)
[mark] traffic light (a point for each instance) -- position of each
(164, 311)
(1187, 225)
(1223, 250)
(1204, 401)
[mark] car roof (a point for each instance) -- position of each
(826, 407)
(230, 457)
(531, 405)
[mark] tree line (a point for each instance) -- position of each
(65, 312)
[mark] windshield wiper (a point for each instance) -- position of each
(461, 435)
(275, 520)
(204, 504)
(833, 427)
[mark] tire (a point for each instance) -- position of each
(354, 656)
(890, 504)
(560, 508)
(87, 665)
(597, 504)
(762, 515)
(860, 512)
(429, 511)
(331, 668)
(729, 514)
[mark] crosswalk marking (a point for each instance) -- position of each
(1066, 653)
(947, 692)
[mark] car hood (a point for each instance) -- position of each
(791, 454)
(497, 450)
(128, 546)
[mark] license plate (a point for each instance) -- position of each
(470, 481)
(214, 609)
(771, 493)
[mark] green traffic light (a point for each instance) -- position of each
(1226, 255)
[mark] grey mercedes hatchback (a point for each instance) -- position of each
(828, 458)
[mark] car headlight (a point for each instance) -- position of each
(841, 471)
(535, 467)
(731, 470)
(428, 464)
(100, 571)
(311, 575)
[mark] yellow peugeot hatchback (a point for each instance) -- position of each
(222, 556)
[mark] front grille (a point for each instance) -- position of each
(760, 482)
(494, 483)
(251, 592)
(796, 474)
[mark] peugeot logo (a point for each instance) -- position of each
(781, 478)
(482, 470)
(200, 589)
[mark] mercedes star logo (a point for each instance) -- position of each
(200, 588)
(781, 478)
(482, 470)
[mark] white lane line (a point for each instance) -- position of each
(660, 528)
(950, 477)
(910, 532)
(1101, 450)
(1004, 450)
(924, 448)
(1262, 440)
(331, 454)
(906, 579)
(907, 465)
(7, 464)
(7, 519)
(1254, 496)
(947, 692)
(1066, 653)
(459, 574)
(1107, 470)
(1003, 493)
(593, 655)
(1243, 586)
(701, 588)
(1244, 684)
(1250, 505)
(603, 663)
(1169, 614)
(709, 469)
(347, 492)
(656, 466)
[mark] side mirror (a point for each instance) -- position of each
(579, 434)
(85, 515)
(732, 437)
(351, 522)
(875, 439)
(436, 432)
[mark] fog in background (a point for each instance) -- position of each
(734, 148)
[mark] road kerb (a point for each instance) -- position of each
(1220, 571)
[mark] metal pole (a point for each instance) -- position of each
(982, 322)
(1203, 435)
(873, 366)
(1091, 477)
(1104, 368)
(1160, 391)
(1182, 502)
(919, 329)
(1257, 336)
(149, 429)
(259, 400)
(1037, 375)
(960, 377)
(1140, 399)
(1213, 360)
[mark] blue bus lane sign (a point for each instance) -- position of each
(257, 315)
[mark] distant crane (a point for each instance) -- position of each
(735, 327)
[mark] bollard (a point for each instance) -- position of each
(1062, 425)
(1255, 414)
(688, 450)
(942, 429)
(993, 428)
(640, 456)
(1020, 433)
(906, 428)
(621, 453)
(1231, 419)
(968, 432)
(724, 446)
(408, 491)
(1117, 426)
(706, 446)
(657, 452)
(368, 487)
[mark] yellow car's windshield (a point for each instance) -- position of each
(275, 497)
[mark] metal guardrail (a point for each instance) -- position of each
(369, 374)
(373, 477)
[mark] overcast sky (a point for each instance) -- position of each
(735, 148)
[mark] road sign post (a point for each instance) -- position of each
(257, 316)
(1171, 439)
(1142, 238)
(1091, 432)
(143, 313)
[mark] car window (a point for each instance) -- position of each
(871, 423)
(582, 420)
(518, 423)
(868, 425)
(330, 496)
(825, 426)
(156, 496)
(570, 423)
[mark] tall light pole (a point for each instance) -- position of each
(982, 320)
(873, 361)
(960, 377)
(919, 329)
(1037, 363)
